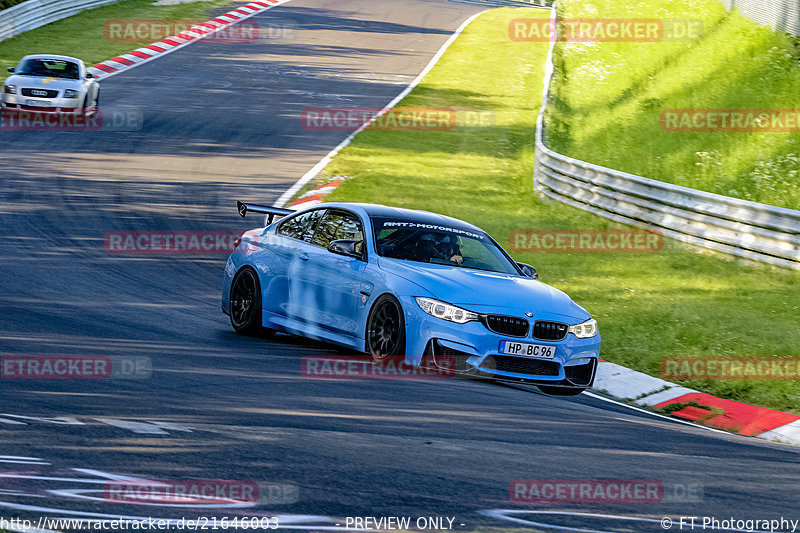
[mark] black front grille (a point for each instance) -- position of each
(580, 374)
(549, 331)
(520, 365)
(507, 325)
(449, 358)
(41, 93)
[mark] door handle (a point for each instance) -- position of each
(302, 255)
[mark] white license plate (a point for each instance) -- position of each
(524, 349)
(38, 103)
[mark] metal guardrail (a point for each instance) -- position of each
(35, 13)
(780, 15)
(748, 229)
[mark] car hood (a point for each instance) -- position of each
(36, 82)
(488, 292)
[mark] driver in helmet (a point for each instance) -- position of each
(442, 246)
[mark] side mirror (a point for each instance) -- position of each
(529, 270)
(347, 247)
(11, 69)
(89, 75)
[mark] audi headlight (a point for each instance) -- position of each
(10, 89)
(584, 330)
(445, 311)
(70, 93)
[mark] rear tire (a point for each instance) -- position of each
(245, 302)
(386, 329)
(560, 391)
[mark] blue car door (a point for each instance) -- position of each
(335, 280)
(286, 248)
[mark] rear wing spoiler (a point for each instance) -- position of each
(268, 210)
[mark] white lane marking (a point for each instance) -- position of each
(17, 462)
(153, 427)
(84, 494)
(48, 478)
(107, 475)
(136, 427)
(316, 169)
(502, 514)
(64, 420)
(170, 425)
(671, 419)
(20, 458)
(4, 492)
(15, 422)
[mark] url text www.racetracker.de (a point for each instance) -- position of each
(711, 523)
(202, 523)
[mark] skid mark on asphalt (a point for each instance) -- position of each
(99, 477)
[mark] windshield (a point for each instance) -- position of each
(442, 245)
(52, 68)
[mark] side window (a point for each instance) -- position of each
(338, 225)
(302, 226)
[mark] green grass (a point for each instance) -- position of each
(679, 302)
(82, 35)
(608, 98)
(5, 4)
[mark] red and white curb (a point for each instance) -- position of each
(742, 418)
(201, 31)
(317, 196)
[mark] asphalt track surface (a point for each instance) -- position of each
(220, 124)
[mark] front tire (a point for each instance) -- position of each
(386, 329)
(245, 302)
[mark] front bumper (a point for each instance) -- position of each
(472, 349)
(55, 105)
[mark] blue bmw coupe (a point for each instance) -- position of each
(399, 282)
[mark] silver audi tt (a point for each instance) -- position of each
(51, 84)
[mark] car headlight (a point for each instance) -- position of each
(70, 93)
(445, 311)
(10, 89)
(584, 330)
